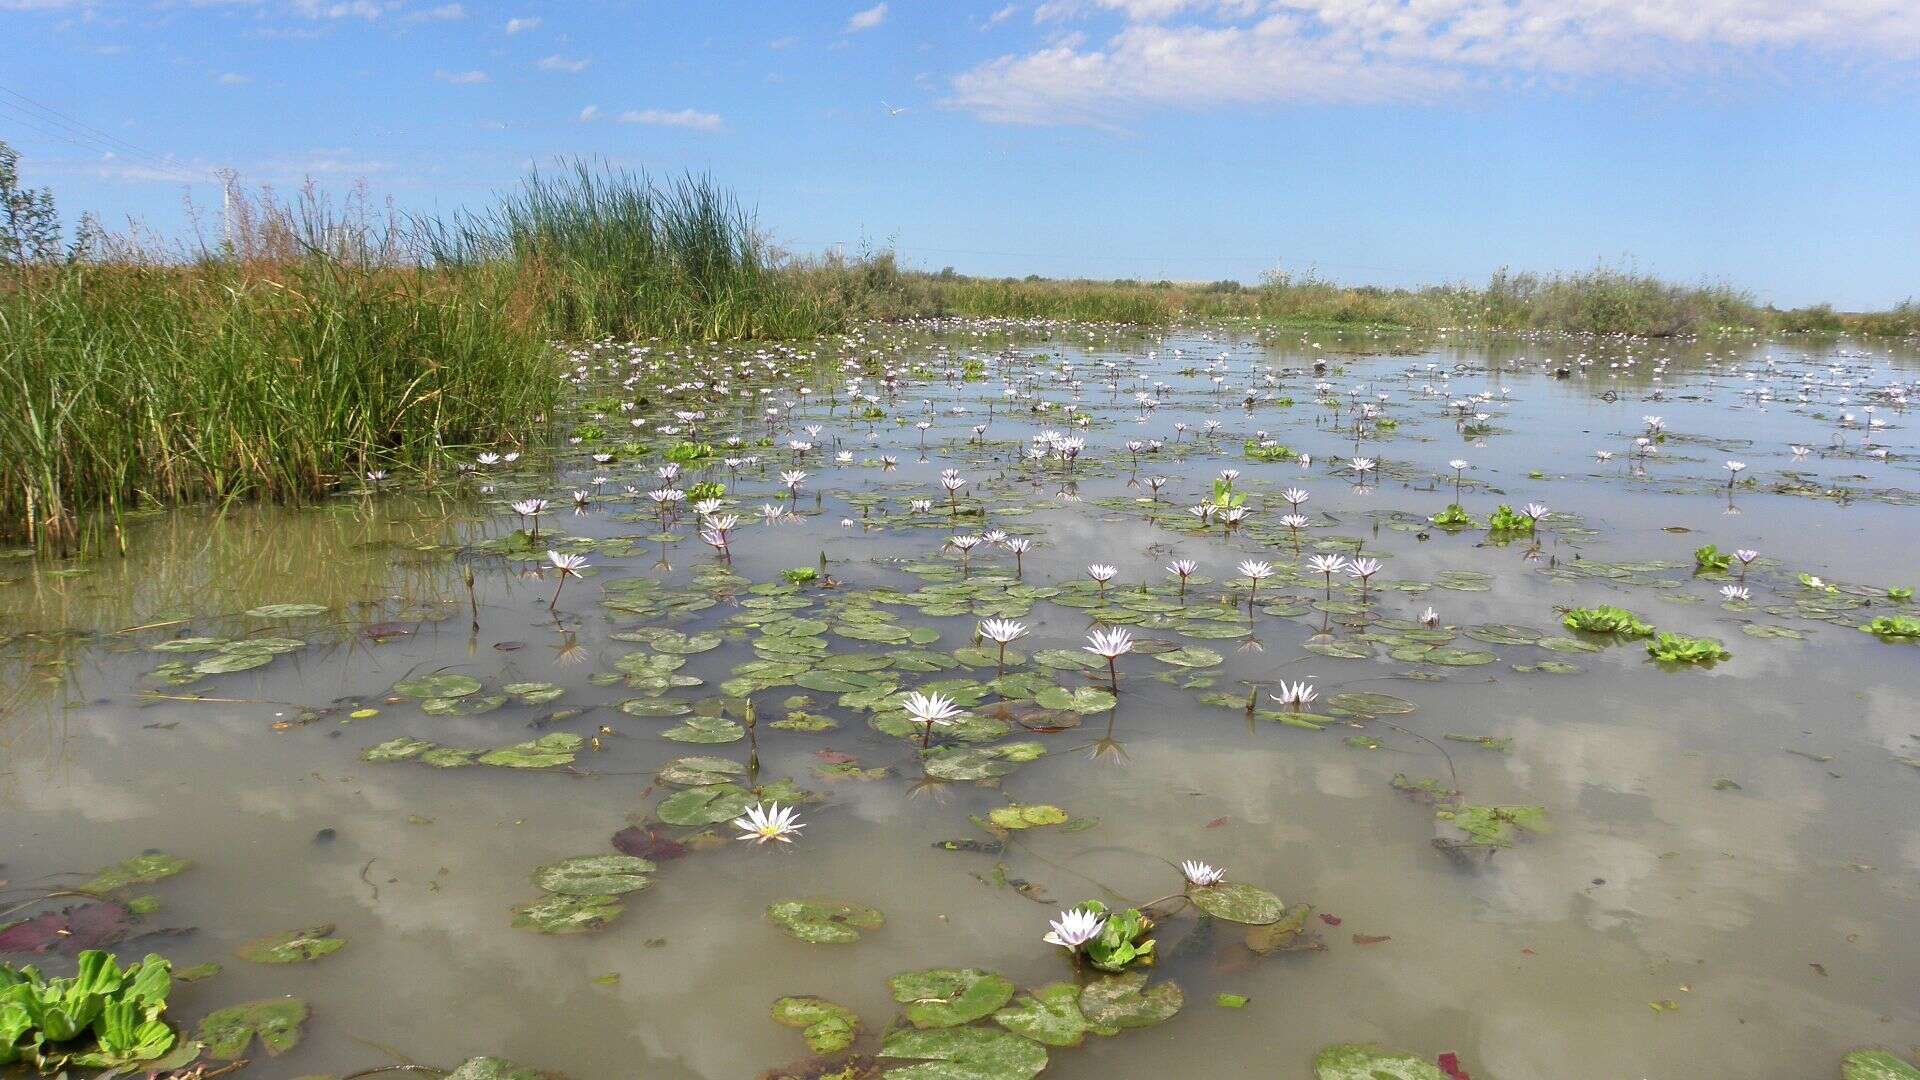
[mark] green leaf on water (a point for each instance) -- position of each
(1081, 699)
(472, 705)
(287, 611)
(1018, 816)
(1876, 1065)
(228, 1032)
(534, 693)
(828, 1028)
(493, 1068)
(1363, 704)
(1191, 656)
(948, 997)
(700, 771)
(655, 707)
(1352, 1061)
(967, 1053)
(825, 922)
(142, 869)
(595, 875)
(1458, 657)
(544, 752)
(708, 805)
(1495, 826)
(1125, 1001)
(562, 913)
(1050, 1015)
(292, 946)
(706, 729)
(446, 685)
(396, 749)
(1238, 902)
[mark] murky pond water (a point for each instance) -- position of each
(1719, 879)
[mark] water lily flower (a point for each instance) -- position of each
(1101, 573)
(1002, 632)
(1257, 572)
(1111, 644)
(1430, 617)
(1199, 873)
(1298, 695)
(930, 709)
(793, 478)
(921, 506)
(1535, 511)
(1019, 545)
(1735, 593)
(1184, 568)
(763, 822)
(569, 566)
(1364, 569)
(1295, 496)
(1074, 928)
(1328, 565)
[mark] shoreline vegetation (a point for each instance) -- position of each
(311, 342)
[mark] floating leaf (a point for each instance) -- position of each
(493, 1068)
(825, 922)
(595, 875)
(292, 946)
(287, 611)
(1192, 656)
(70, 930)
(544, 752)
(396, 749)
(1238, 902)
(1082, 699)
(142, 869)
(1351, 1061)
(706, 729)
(700, 771)
(1495, 826)
(1125, 1001)
(1876, 1065)
(1019, 816)
(1360, 704)
(445, 685)
(1049, 1015)
(968, 1053)
(707, 805)
(948, 997)
(228, 1032)
(828, 1028)
(561, 913)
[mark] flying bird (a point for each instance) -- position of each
(893, 110)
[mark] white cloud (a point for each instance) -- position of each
(868, 19)
(589, 114)
(443, 13)
(234, 78)
(1001, 16)
(680, 118)
(345, 9)
(519, 25)
(461, 78)
(567, 64)
(1197, 54)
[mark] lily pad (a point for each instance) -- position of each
(700, 771)
(493, 1068)
(142, 869)
(1191, 656)
(1082, 699)
(228, 1032)
(1050, 1015)
(595, 875)
(292, 946)
(1019, 816)
(949, 997)
(968, 1053)
(1351, 1061)
(445, 685)
(825, 922)
(706, 729)
(828, 1028)
(708, 805)
(287, 611)
(1876, 1065)
(1238, 902)
(562, 913)
(396, 749)
(1125, 1001)
(544, 752)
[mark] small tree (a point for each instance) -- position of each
(29, 225)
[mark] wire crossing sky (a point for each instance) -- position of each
(1770, 144)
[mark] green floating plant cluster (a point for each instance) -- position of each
(1269, 451)
(689, 451)
(1681, 649)
(1894, 628)
(1607, 620)
(1454, 516)
(711, 489)
(1123, 942)
(1505, 519)
(101, 1018)
(1710, 559)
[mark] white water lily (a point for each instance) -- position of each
(930, 710)
(1199, 873)
(1002, 630)
(1299, 695)
(1074, 928)
(763, 822)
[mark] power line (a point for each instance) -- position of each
(54, 124)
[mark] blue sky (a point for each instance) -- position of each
(1771, 144)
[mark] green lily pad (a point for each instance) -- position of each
(708, 805)
(1361, 704)
(700, 771)
(228, 1032)
(828, 1028)
(949, 997)
(472, 705)
(825, 922)
(968, 1053)
(706, 729)
(1351, 1061)
(292, 946)
(1504, 634)
(1019, 816)
(1458, 657)
(1340, 650)
(655, 707)
(534, 693)
(445, 685)
(1191, 656)
(1082, 699)
(1238, 902)
(563, 913)
(1050, 1015)
(595, 875)
(226, 663)
(1876, 1065)
(287, 611)
(493, 1068)
(396, 749)
(1495, 826)
(143, 869)
(544, 752)
(1125, 1001)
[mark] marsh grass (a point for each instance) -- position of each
(130, 378)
